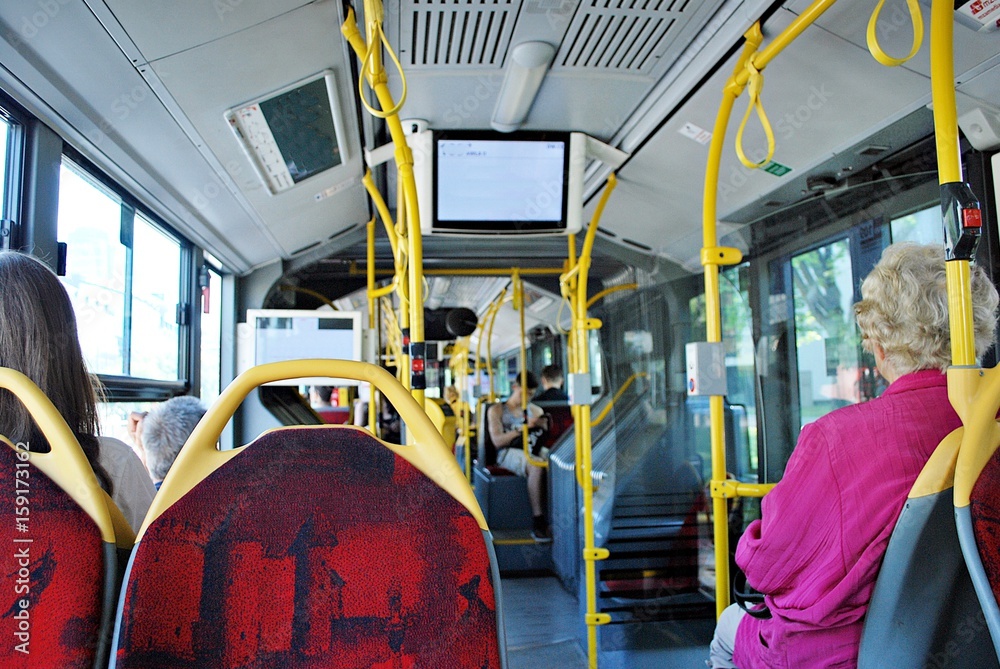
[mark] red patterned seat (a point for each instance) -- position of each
(59, 559)
(313, 547)
(985, 511)
(54, 572)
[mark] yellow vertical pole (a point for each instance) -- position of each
(370, 54)
(711, 257)
(372, 319)
(518, 288)
(581, 326)
(963, 345)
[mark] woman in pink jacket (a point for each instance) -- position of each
(825, 527)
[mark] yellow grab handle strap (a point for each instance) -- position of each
(755, 84)
(364, 66)
(918, 35)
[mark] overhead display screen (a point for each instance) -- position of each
(500, 180)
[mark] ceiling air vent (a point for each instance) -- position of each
(439, 32)
(623, 35)
(873, 150)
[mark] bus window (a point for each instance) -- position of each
(156, 261)
(826, 338)
(90, 223)
(125, 298)
(4, 168)
(923, 227)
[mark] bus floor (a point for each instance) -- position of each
(544, 631)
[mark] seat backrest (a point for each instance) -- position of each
(313, 546)
(60, 553)
(977, 501)
(486, 451)
(560, 420)
(980, 538)
(924, 610)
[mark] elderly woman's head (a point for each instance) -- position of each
(904, 310)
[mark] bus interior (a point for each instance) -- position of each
(193, 169)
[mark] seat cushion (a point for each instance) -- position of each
(53, 561)
(313, 548)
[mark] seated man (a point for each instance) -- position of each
(160, 434)
(504, 421)
(552, 383)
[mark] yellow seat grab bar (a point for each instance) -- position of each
(875, 48)
(65, 464)
(427, 452)
(755, 84)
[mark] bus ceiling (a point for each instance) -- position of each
(163, 98)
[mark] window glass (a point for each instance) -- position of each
(596, 362)
(737, 341)
(737, 337)
(923, 227)
(4, 167)
(826, 338)
(211, 339)
(156, 261)
(90, 224)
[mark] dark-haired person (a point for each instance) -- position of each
(825, 527)
(552, 383)
(504, 421)
(38, 337)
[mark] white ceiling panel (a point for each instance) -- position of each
(83, 86)
(160, 28)
(895, 33)
(300, 44)
(815, 112)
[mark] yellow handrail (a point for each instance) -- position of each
(369, 53)
(621, 391)
(494, 310)
(752, 59)
(312, 293)
(608, 291)
(918, 34)
(573, 283)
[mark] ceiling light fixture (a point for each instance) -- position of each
(525, 70)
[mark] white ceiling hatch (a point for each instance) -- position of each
(250, 80)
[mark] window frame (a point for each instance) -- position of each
(19, 122)
(129, 388)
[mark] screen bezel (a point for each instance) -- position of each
(276, 184)
(503, 227)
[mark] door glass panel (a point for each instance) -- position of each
(826, 339)
(922, 227)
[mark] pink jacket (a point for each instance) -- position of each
(825, 526)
